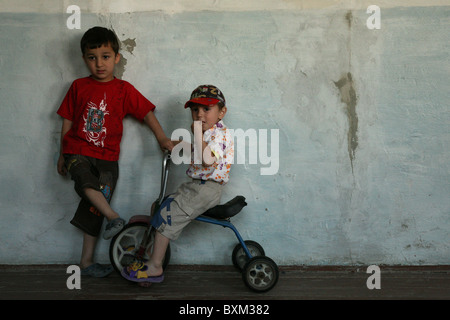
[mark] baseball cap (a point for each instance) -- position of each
(207, 95)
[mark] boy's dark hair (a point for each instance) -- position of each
(98, 36)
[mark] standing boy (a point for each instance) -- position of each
(92, 111)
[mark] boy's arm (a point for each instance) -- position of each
(207, 156)
(62, 170)
(164, 142)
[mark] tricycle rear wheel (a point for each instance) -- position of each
(260, 274)
(240, 258)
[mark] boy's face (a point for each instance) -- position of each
(101, 62)
(208, 115)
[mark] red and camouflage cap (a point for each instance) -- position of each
(207, 95)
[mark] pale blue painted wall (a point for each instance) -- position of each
(385, 202)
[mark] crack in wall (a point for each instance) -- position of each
(348, 96)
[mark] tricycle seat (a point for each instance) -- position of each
(227, 210)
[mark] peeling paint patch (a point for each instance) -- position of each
(348, 96)
(120, 67)
(128, 45)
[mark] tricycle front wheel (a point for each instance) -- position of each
(124, 247)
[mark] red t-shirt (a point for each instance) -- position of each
(96, 110)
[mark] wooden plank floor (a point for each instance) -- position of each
(223, 283)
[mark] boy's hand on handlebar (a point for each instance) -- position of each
(166, 144)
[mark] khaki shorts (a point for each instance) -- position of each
(179, 209)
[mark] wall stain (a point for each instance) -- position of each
(348, 96)
(128, 45)
(349, 17)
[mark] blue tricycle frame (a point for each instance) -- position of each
(259, 272)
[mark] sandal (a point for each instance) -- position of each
(136, 272)
(96, 270)
(113, 227)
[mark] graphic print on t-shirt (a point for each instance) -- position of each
(95, 129)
